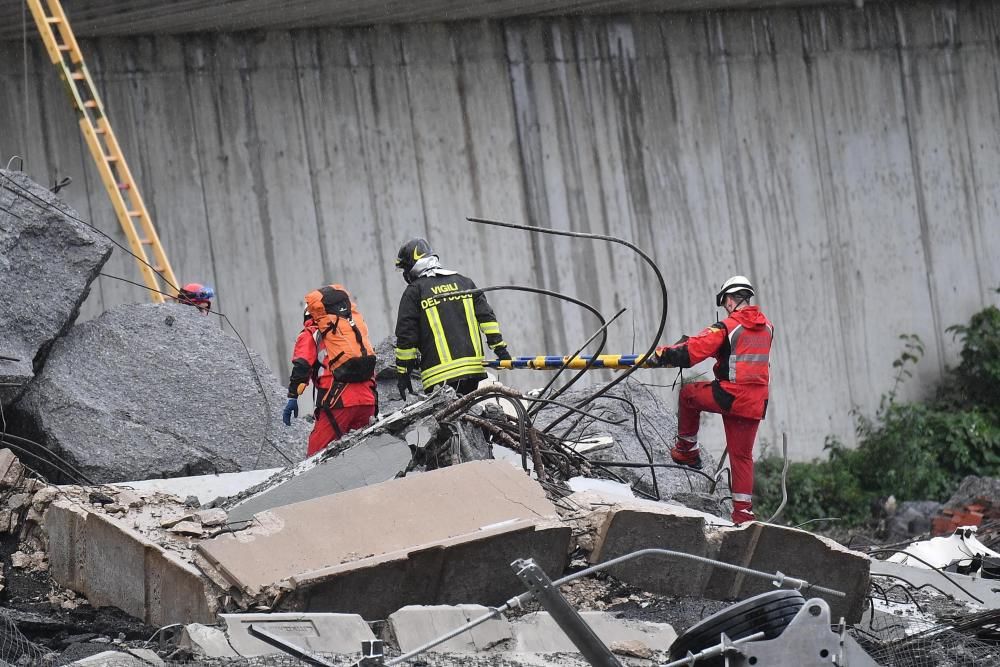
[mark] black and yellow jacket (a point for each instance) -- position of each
(443, 333)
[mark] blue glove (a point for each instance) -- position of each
(291, 408)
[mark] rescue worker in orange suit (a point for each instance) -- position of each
(335, 413)
(741, 346)
(441, 334)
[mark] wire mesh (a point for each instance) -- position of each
(15, 648)
(944, 649)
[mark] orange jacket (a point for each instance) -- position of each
(741, 347)
(309, 365)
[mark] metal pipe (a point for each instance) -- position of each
(718, 649)
(587, 361)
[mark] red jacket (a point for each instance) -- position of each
(741, 347)
(309, 365)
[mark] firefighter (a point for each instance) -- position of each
(441, 334)
(741, 346)
(340, 406)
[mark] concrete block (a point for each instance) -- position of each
(631, 525)
(11, 470)
(539, 633)
(376, 459)
(446, 536)
(206, 642)
(796, 553)
(416, 625)
(113, 565)
(64, 525)
(317, 633)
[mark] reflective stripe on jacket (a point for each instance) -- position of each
(444, 331)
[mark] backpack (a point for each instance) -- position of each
(343, 333)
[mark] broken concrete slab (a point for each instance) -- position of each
(113, 565)
(47, 263)
(631, 525)
(137, 389)
(317, 633)
(446, 536)
(977, 590)
(205, 488)
(375, 459)
(539, 633)
(797, 553)
(205, 641)
(416, 625)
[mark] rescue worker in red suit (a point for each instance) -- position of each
(741, 346)
(352, 408)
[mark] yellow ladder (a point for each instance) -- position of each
(129, 207)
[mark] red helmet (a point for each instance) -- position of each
(198, 295)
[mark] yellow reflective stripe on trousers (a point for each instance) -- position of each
(457, 368)
(440, 342)
(470, 318)
(489, 328)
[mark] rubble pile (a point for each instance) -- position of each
(47, 262)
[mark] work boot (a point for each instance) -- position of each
(690, 459)
(741, 516)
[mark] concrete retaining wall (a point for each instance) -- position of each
(847, 160)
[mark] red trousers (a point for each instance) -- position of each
(347, 419)
(741, 433)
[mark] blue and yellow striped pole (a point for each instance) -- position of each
(551, 363)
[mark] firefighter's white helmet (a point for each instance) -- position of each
(734, 284)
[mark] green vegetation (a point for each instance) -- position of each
(914, 451)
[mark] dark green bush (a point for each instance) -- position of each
(913, 451)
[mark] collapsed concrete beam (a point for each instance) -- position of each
(446, 536)
(415, 625)
(113, 565)
(628, 526)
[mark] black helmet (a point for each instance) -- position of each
(409, 253)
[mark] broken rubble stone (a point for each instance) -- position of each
(11, 470)
(633, 648)
(186, 528)
(47, 263)
(43, 497)
(151, 392)
(973, 487)
(211, 517)
(18, 501)
(20, 560)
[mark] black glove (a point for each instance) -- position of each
(404, 384)
(502, 353)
